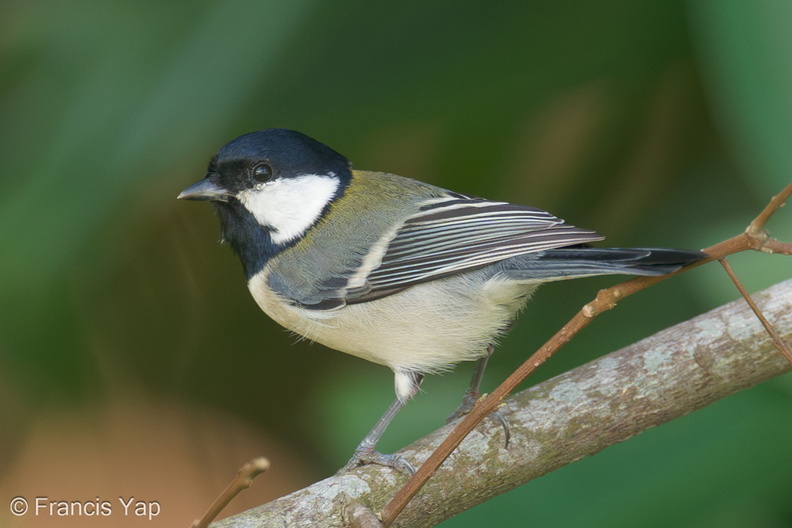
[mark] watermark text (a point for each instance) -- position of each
(96, 507)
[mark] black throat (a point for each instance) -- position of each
(248, 239)
(251, 241)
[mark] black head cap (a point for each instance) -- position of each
(288, 154)
(262, 156)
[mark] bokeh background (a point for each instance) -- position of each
(133, 362)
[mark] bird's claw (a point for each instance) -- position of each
(468, 401)
(370, 456)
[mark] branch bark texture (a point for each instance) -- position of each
(670, 374)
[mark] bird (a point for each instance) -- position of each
(390, 269)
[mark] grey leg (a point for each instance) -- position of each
(473, 393)
(365, 453)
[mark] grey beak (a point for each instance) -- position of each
(205, 190)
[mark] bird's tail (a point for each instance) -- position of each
(567, 263)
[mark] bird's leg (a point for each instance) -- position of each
(473, 393)
(365, 453)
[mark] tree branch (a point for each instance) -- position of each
(577, 414)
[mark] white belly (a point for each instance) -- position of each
(425, 328)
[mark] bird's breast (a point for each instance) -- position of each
(427, 327)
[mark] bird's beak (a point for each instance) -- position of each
(205, 190)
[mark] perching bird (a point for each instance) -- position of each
(390, 269)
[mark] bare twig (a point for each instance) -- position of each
(243, 480)
(780, 343)
(754, 237)
(757, 226)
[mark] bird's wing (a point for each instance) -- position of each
(447, 236)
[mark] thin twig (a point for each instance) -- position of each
(243, 480)
(779, 342)
(757, 226)
(754, 237)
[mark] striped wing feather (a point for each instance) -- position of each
(452, 235)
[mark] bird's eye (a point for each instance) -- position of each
(262, 172)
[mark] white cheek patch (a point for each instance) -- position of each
(290, 206)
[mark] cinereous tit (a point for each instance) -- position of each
(390, 269)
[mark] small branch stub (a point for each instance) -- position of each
(243, 480)
(359, 516)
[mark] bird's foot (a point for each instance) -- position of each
(468, 401)
(370, 456)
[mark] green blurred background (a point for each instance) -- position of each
(134, 362)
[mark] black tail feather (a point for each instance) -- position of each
(580, 261)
